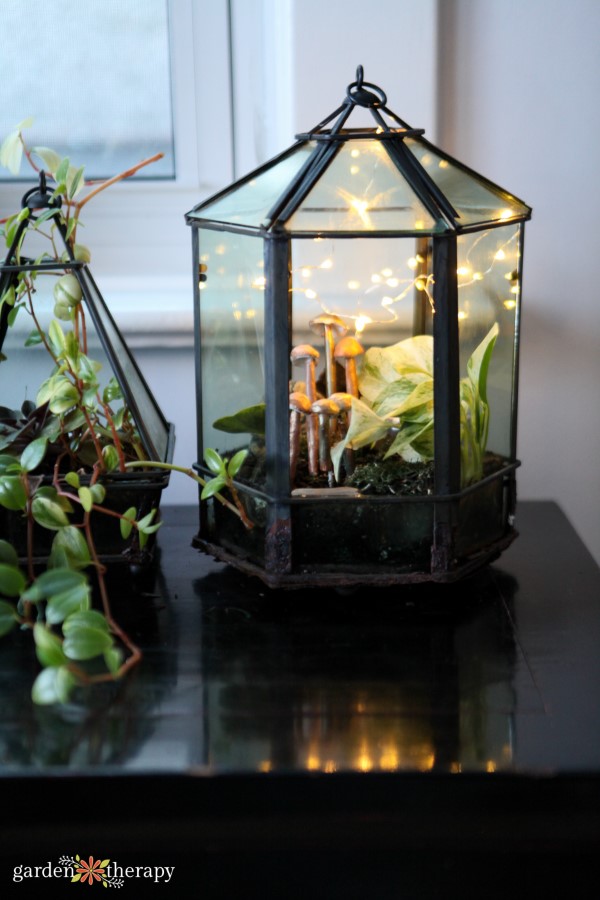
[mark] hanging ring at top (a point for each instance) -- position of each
(357, 94)
(40, 197)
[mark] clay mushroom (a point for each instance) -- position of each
(299, 405)
(306, 354)
(325, 408)
(330, 327)
(344, 401)
(346, 351)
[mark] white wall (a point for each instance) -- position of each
(519, 101)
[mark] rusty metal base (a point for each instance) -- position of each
(321, 578)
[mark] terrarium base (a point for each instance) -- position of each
(323, 578)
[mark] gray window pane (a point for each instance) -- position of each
(95, 76)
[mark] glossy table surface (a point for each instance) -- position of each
(260, 717)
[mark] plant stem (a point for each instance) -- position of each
(127, 174)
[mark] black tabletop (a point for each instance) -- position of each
(272, 731)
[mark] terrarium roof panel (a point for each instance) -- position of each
(476, 199)
(362, 190)
(249, 201)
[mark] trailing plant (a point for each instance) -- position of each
(396, 398)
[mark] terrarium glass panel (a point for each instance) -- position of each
(362, 190)
(488, 301)
(249, 202)
(232, 347)
(473, 197)
(362, 346)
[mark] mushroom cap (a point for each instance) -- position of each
(325, 406)
(303, 351)
(320, 323)
(343, 400)
(299, 402)
(347, 348)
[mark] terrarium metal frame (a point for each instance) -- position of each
(452, 553)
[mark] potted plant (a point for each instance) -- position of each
(64, 455)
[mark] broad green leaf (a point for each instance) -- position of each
(53, 685)
(8, 617)
(127, 522)
(87, 500)
(12, 581)
(33, 454)
(71, 226)
(50, 159)
(405, 440)
(70, 546)
(12, 492)
(235, 463)
(60, 174)
(9, 297)
(214, 461)
(250, 420)
(48, 647)
(74, 181)
(54, 581)
(11, 318)
(8, 554)
(479, 362)
(9, 464)
(405, 395)
(86, 642)
(213, 487)
(67, 602)
(383, 365)
(86, 618)
(48, 513)
(366, 427)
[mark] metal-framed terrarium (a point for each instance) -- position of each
(357, 325)
(68, 377)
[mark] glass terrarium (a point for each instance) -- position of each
(357, 320)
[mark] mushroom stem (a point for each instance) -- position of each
(311, 422)
(326, 409)
(351, 378)
(330, 378)
(299, 405)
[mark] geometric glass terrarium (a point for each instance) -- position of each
(357, 327)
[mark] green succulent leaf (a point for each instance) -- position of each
(70, 549)
(33, 338)
(33, 454)
(214, 462)
(112, 391)
(98, 492)
(54, 581)
(87, 618)
(86, 497)
(64, 397)
(110, 456)
(48, 647)
(72, 479)
(50, 159)
(113, 659)
(235, 463)
(12, 492)
(12, 580)
(48, 513)
(63, 604)
(213, 487)
(56, 335)
(8, 554)
(85, 642)
(127, 522)
(8, 617)
(53, 685)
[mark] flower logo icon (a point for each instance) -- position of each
(93, 870)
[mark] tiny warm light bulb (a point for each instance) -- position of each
(419, 224)
(426, 160)
(515, 289)
(387, 273)
(305, 272)
(506, 213)
(330, 766)
(361, 322)
(462, 315)
(353, 285)
(355, 153)
(490, 766)
(237, 315)
(412, 263)
(220, 249)
(359, 205)
(463, 270)
(265, 765)
(387, 301)
(509, 304)
(313, 762)
(250, 313)
(376, 279)
(326, 264)
(477, 276)
(392, 282)
(354, 170)
(443, 164)
(500, 254)
(259, 282)
(311, 294)
(420, 284)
